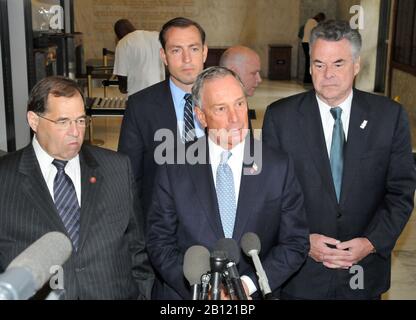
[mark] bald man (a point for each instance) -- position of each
(246, 63)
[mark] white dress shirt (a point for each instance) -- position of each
(49, 171)
(236, 164)
(328, 120)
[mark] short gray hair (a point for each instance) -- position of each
(336, 30)
(210, 74)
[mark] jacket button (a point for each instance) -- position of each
(79, 269)
(339, 214)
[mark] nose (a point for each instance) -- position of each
(232, 115)
(73, 129)
(258, 78)
(328, 73)
(186, 56)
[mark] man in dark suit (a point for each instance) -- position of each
(197, 204)
(162, 106)
(353, 158)
(87, 193)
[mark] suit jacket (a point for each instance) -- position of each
(185, 212)
(377, 186)
(147, 111)
(111, 262)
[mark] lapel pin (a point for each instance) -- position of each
(364, 124)
(254, 168)
(93, 180)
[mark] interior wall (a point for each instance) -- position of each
(403, 87)
(252, 23)
(366, 78)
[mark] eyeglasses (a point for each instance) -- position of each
(66, 123)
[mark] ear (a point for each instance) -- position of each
(163, 56)
(33, 120)
(205, 52)
(357, 65)
(201, 116)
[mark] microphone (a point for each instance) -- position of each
(30, 270)
(218, 261)
(250, 243)
(195, 264)
(230, 247)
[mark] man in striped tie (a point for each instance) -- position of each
(58, 184)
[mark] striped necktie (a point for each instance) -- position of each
(188, 133)
(66, 201)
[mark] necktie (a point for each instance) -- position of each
(188, 133)
(66, 201)
(337, 150)
(226, 195)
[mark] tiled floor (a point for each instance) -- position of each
(403, 280)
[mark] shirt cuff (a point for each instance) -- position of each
(250, 284)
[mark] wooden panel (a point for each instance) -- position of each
(214, 55)
(279, 62)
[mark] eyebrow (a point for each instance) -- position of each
(337, 61)
(185, 46)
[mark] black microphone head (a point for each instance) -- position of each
(195, 264)
(218, 261)
(230, 247)
(250, 241)
(53, 248)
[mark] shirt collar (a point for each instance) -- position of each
(44, 159)
(215, 151)
(345, 105)
(177, 93)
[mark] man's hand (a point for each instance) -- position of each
(358, 247)
(343, 255)
(321, 251)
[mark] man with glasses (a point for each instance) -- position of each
(58, 184)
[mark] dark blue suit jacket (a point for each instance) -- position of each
(185, 212)
(377, 187)
(148, 111)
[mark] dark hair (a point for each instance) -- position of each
(320, 17)
(179, 22)
(57, 86)
(336, 30)
(210, 74)
(123, 27)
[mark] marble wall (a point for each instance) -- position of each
(252, 23)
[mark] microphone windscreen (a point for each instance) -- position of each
(230, 247)
(195, 264)
(52, 249)
(250, 241)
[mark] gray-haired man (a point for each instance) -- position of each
(354, 161)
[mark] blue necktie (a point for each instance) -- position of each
(66, 201)
(337, 150)
(226, 195)
(188, 133)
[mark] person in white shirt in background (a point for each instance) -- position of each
(137, 61)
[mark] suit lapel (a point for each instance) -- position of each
(165, 111)
(90, 190)
(310, 124)
(356, 142)
(201, 175)
(249, 186)
(35, 188)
